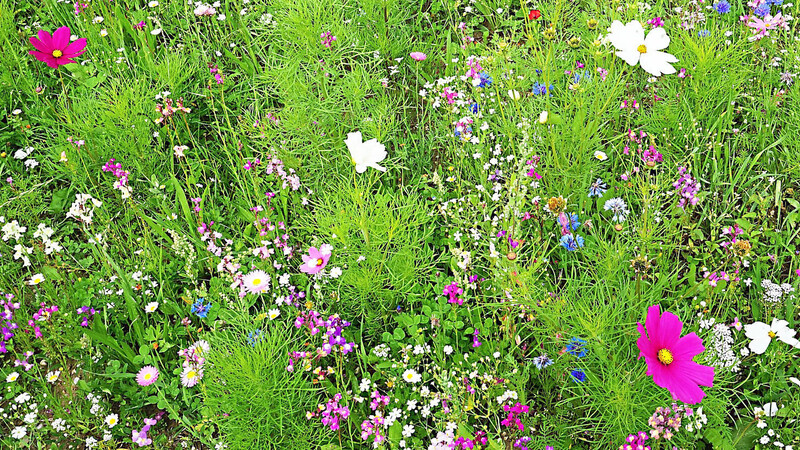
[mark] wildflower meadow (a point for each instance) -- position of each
(399, 224)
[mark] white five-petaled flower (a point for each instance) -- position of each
(411, 376)
(633, 47)
(762, 334)
(365, 154)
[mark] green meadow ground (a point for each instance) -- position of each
(446, 278)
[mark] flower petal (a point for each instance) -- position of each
(657, 63)
(756, 329)
(687, 347)
(47, 40)
(759, 344)
(629, 56)
(39, 45)
(669, 331)
(76, 48)
(656, 40)
(61, 38)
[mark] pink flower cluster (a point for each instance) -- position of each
(332, 412)
(45, 313)
(452, 291)
(327, 39)
(139, 437)
(514, 414)
(122, 177)
(372, 427)
(169, 108)
(7, 315)
(687, 187)
(666, 421)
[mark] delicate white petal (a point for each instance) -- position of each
(376, 166)
(657, 63)
(756, 330)
(361, 168)
(621, 38)
(631, 56)
(375, 150)
(656, 40)
(760, 344)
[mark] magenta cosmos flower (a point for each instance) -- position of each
(418, 56)
(669, 356)
(147, 376)
(316, 260)
(55, 49)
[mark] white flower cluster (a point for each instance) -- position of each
(13, 230)
(23, 153)
(773, 292)
(721, 349)
(82, 208)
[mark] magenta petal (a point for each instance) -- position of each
(47, 39)
(669, 331)
(687, 347)
(61, 38)
(644, 344)
(39, 45)
(76, 48)
(689, 374)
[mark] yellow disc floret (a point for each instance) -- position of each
(57, 54)
(665, 356)
(642, 48)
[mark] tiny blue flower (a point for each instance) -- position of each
(577, 347)
(762, 10)
(571, 242)
(578, 375)
(722, 7)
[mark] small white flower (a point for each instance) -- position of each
(762, 334)
(336, 272)
(153, 4)
(411, 376)
(12, 377)
(600, 155)
(273, 314)
(365, 154)
(448, 350)
(36, 279)
(151, 307)
(52, 377)
(19, 432)
(543, 117)
(112, 420)
(633, 47)
(104, 32)
(514, 94)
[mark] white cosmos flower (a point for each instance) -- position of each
(256, 281)
(365, 154)
(634, 47)
(762, 334)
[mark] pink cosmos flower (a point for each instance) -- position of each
(418, 56)
(55, 49)
(669, 356)
(147, 376)
(315, 260)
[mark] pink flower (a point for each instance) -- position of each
(418, 56)
(669, 356)
(55, 49)
(147, 376)
(315, 260)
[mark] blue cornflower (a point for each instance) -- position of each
(775, 2)
(486, 80)
(575, 222)
(703, 33)
(722, 7)
(578, 375)
(200, 309)
(577, 347)
(576, 77)
(542, 361)
(571, 242)
(762, 10)
(541, 89)
(474, 108)
(598, 188)
(254, 337)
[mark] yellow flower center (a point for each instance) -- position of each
(320, 262)
(57, 54)
(147, 376)
(256, 281)
(642, 48)
(665, 356)
(771, 335)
